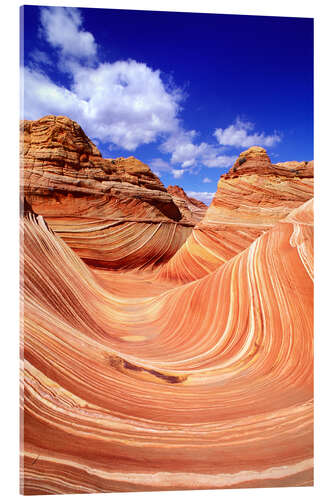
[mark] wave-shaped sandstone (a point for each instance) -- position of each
(114, 213)
(249, 200)
(204, 385)
(164, 346)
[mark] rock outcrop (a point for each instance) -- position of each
(190, 208)
(250, 199)
(88, 200)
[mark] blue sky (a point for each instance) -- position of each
(185, 93)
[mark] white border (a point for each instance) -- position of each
(323, 249)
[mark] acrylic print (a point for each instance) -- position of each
(167, 250)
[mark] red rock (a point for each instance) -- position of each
(113, 212)
(250, 199)
(192, 209)
(167, 390)
(136, 381)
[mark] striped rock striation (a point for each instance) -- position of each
(196, 208)
(250, 199)
(141, 385)
(198, 375)
(114, 213)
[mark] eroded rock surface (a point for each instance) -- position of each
(249, 200)
(198, 374)
(169, 388)
(89, 200)
(190, 208)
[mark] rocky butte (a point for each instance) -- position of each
(198, 375)
(114, 213)
(253, 196)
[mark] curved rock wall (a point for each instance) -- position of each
(153, 364)
(205, 385)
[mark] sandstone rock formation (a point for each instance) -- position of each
(206, 385)
(194, 368)
(250, 199)
(189, 207)
(89, 200)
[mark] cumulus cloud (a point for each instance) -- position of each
(180, 146)
(207, 180)
(124, 103)
(202, 196)
(177, 173)
(239, 135)
(184, 151)
(212, 159)
(159, 166)
(62, 28)
(127, 102)
(43, 97)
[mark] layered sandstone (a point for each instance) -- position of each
(189, 207)
(89, 200)
(206, 385)
(250, 199)
(196, 376)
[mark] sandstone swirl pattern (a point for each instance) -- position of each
(250, 199)
(114, 213)
(207, 385)
(148, 365)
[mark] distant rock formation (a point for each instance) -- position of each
(250, 199)
(255, 161)
(189, 207)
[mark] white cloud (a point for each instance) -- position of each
(127, 102)
(207, 180)
(177, 173)
(238, 135)
(212, 159)
(62, 28)
(180, 146)
(188, 154)
(43, 97)
(159, 166)
(38, 56)
(202, 196)
(124, 103)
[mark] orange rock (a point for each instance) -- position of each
(190, 208)
(198, 375)
(90, 200)
(167, 390)
(250, 199)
